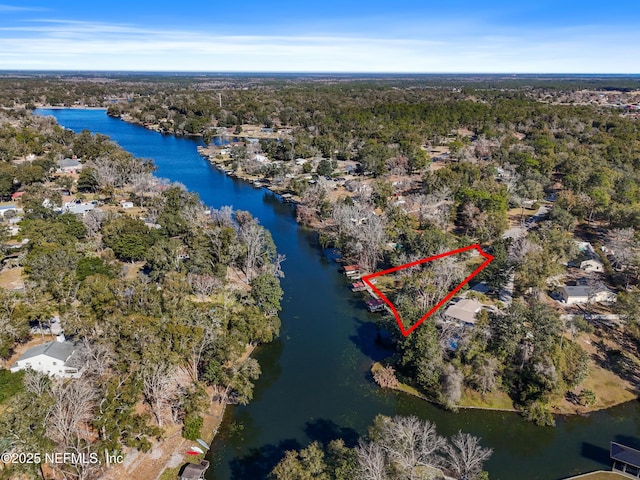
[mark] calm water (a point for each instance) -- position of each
(314, 384)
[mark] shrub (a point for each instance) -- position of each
(192, 426)
(539, 413)
(587, 397)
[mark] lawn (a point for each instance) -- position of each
(599, 476)
(491, 400)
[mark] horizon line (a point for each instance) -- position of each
(318, 72)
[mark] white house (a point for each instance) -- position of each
(8, 208)
(573, 295)
(600, 293)
(126, 205)
(592, 265)
(52, 358)
(77, 207)
(464, 311)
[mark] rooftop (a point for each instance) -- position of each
(58, 350)
(624, 454)
(576, 290)
(464, 310)
(68, 163)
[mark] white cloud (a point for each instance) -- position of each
(77, 45)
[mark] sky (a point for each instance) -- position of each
(405, 36)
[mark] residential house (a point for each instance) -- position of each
(52, 358)
(601, 294)
(69, 165)
(8, 208)
(588, 259)
(575, 294)
(77, 207)
(464, 311)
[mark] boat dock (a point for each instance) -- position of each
(375, 305)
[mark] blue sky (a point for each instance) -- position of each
(323, 36)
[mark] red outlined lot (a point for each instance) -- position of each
(406, 331)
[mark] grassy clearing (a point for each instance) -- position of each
(491, 400)
(599, 476)
(11, 278)
(170, 473)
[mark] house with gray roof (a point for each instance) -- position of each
(51, 358)
(69, 165)
(464, 311)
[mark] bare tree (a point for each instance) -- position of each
(361, 232)
(97, 358)
(623, 246)
(92, 221)
(465, 456)
(385, 377)
(520, 248)
(485, 372)
(371, 461)
(452, 386)
(36, 382)
(159, 388)
(252, 236)
(222, 217)
(411, 443)
(203, 285)
(72, 410)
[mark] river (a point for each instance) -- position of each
(315, 383)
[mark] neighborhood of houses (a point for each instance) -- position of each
(585, 286)
(587, 296)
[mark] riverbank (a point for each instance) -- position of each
(599, 475)
(500, 401)
(72, 107)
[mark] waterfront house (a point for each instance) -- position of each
(375, 305)
(358, 286)
(625, 459)
(52, 358)
(352, 270)
(194, 471)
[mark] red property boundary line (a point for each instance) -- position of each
(366, 279)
